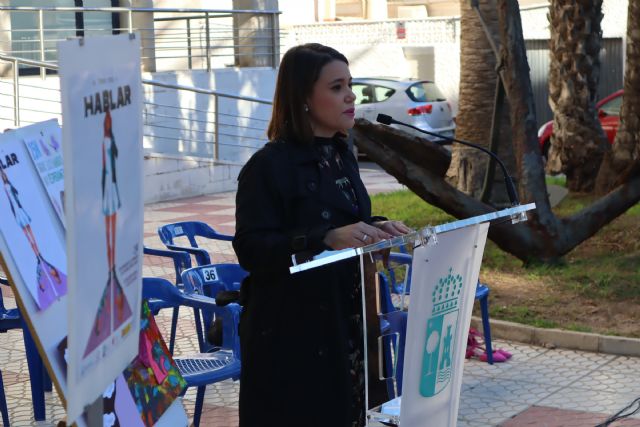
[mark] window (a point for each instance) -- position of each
(100, 23)
(364, 93)
(25, 34)
(612, 108)
(383, 93)
(425, 92)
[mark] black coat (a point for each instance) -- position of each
(294, 329)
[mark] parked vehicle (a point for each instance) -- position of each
(608, 114)
(417, 102)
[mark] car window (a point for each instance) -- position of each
(383, 93)
(425, 92)
(363, 92)
(612, 108)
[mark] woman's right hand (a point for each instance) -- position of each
(354, 236)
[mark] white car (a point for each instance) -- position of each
(416, 102)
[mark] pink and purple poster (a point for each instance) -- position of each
(29, 231)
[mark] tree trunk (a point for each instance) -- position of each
(619, 161)
(543, 238)
(478, 82)
(478, 78)
(420, 165)
(578, 142)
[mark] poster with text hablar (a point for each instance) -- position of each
(44, 145)
(27, 227)
(101, 91)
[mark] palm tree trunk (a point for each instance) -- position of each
(578, 142)
(478, 78)
(625, 152)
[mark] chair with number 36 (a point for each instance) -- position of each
(219, 281)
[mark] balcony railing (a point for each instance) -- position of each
(224, 127)
(172, 38)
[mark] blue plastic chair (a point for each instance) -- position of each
(393, 336)
(38, 378)
(400, 258)
(202, 369)
(208, 280)
(482, 294)
(190, 230)
(3, 404)
(181, 262)
(393, 351)
(9, 319)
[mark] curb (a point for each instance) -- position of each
(550, 338)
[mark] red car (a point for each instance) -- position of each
(608, 114)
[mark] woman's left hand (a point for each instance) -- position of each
(395, 228)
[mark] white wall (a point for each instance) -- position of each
(174, 167)
(374, 50)
(242, 124)
(296, 12)
(177, 177)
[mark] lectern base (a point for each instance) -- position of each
(387, 414)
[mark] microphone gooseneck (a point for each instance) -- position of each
(508, 181)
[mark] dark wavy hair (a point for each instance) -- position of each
(299, 70)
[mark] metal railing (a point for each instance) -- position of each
(188, 38)
(226, 127)
(238, 127)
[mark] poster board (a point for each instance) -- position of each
(443, 283)
(33, 228)
(43, 142)
(31, 159)
(101, 94)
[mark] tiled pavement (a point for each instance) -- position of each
(537, 387)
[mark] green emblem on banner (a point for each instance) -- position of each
(440, 334)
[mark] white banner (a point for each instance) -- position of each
(28, 227)
(102, 138)
(443, 285)
(32, 244)
(44, 144)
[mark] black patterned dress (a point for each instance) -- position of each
(331, 164)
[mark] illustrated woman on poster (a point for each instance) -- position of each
(110, 193)
(114, 308)
(51, 282)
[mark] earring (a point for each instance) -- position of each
(306, 108)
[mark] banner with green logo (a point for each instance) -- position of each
(443, 286)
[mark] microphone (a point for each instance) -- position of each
(508, 181)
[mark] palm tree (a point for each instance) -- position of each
(624, 157)
(545, 237)
(478, 79)
(578, 142)
(477, 83)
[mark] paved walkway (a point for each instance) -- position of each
(537, 387)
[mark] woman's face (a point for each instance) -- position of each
(331, 107)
